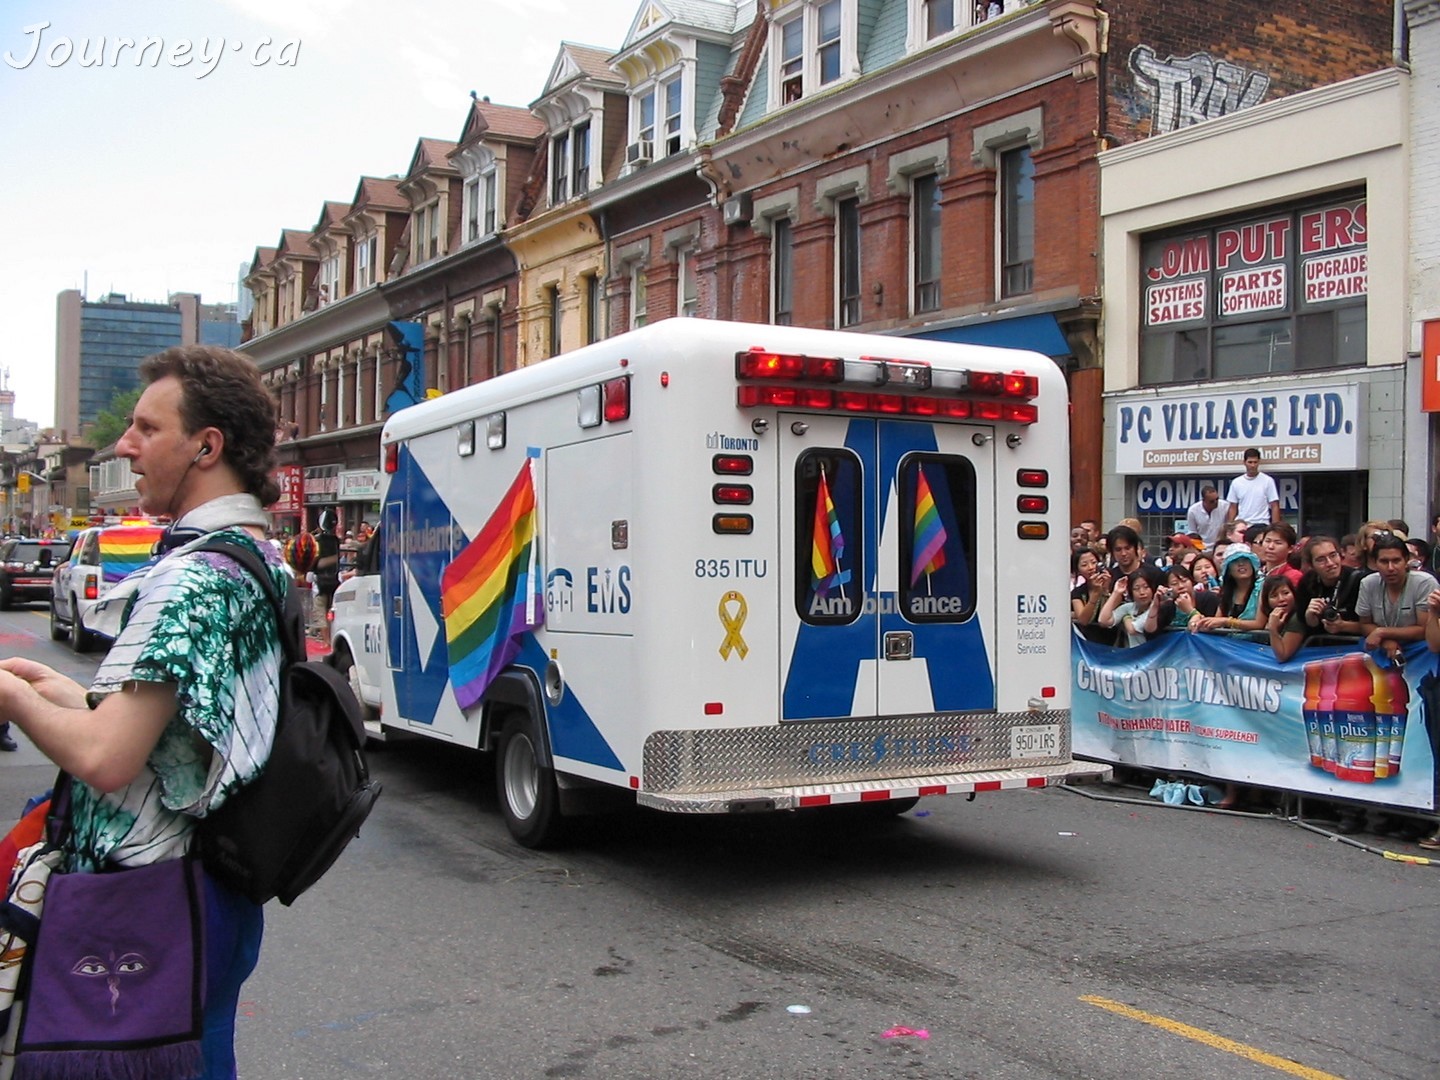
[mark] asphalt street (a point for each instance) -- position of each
(1025, 934)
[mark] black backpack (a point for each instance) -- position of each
(277, 835)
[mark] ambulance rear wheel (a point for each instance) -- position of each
(529, 798)
(81, 640)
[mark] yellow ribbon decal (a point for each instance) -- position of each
(733, 625)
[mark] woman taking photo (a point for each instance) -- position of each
(1087, 598)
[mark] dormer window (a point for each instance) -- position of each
(570, 163)
(939, 18)
(425, 233)
(814, 46)
(367, 251)
(481, 201)
(658, 121)
(559, 168)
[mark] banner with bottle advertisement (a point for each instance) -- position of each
(1332, 721)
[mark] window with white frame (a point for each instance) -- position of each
(645, 123)
(813, 45)
(638, 298)
(672, 98)
(559, 168)
(925, 242)
(472, 209)
(939, 17)
(329, 285)
(687, 299)
(489, 199)
(782, 272)
(1017, 221)
(366, 250)
(592, 309)
(847, 261)
(552, 304)
(580, 157)
(425, 233)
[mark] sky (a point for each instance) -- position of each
(147, 179)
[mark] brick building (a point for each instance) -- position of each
(913, 167)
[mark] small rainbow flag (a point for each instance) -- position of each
(930, 536)
(827, 543)
(125, 549)
(490, 594)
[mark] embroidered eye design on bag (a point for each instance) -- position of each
(128, 965)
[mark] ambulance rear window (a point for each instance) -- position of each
(830, 538)
(937, 538)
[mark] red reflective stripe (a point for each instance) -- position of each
(874, 796)
(814, 800)
(988, 785)
(1035, 781)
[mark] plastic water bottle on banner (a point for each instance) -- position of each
(1355, 721)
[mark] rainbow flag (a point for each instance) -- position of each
(125, 549)
(490, 593)
(930, 537)
(827, 544)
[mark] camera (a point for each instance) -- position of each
(1329, 613)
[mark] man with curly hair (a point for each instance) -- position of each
(182, 712)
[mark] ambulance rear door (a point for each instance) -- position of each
(887, 567)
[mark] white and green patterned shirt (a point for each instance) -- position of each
(200, 622)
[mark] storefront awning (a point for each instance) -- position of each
(1038, 333)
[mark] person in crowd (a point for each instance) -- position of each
(1175, 548)
(1350, 551)
(1253, 497)
(176, 725)
(1277, 604)
(1235, 532)
(1419, 554)
(1087, 598)
(327, 571)
(1206, 518)
(1189, 557)
(1127, 553)
(1079, 541)
(1276, 544)
(1398, 525)
(1129, 604)
(1239, 605)
(1178, 595)
(1324, 601)
(1434, 566)
(1205, 574)
(363, 533)
(1392, 604)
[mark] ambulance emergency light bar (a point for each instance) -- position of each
(909, 387)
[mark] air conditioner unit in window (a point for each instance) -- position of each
(640, 153)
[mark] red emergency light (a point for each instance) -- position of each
(873, 384)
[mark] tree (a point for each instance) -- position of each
(111, 422)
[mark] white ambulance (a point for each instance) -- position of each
(782, 568)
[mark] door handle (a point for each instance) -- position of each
(899, 645)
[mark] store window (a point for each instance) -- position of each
(1271, 294)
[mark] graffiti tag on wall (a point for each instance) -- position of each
(1189, 89)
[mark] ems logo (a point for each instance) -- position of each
(559, 591)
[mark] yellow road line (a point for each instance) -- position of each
(1209, 1038)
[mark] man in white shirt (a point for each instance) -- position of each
(1253, 498)
(1207, 517)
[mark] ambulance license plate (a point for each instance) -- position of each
(1035, 741)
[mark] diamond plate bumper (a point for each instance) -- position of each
(795, 798)
(816, 763)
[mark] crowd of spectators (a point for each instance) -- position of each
(1240, 570)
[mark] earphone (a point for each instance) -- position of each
(199, 454)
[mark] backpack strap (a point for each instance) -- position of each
(291, 634)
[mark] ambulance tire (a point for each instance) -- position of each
(529, 797)
(81, 640)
